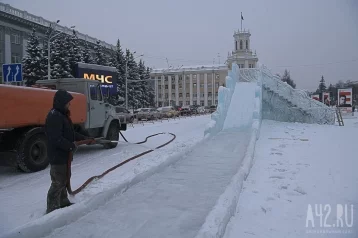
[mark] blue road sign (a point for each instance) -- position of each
(12, 73)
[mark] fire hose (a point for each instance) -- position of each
(84, 142)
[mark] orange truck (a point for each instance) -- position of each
(23, 112)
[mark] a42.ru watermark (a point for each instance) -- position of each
(326, 218)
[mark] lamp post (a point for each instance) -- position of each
(50, 37)
(127, 78)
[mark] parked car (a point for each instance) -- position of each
(125, 115)
(168, 112)
(194, 109)
(207, 109)
(148, 114)
(185, 110)
(201, 110)
(213, 108)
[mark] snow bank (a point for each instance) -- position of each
(59, 218)
(245, 92)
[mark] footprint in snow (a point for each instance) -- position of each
(255, 191)
(282, 146)
(276, 153)
(281, 170)
(300, 191)
(276, 177)
(270, 199)
(284, 187)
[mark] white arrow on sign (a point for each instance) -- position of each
(17, 72)
(8, 73)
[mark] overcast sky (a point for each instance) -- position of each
(310, 38)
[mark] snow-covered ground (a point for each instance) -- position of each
(298, 166)
(23, 196)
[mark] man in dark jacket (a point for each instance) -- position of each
(61, 137)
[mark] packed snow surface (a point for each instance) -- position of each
(298, 165)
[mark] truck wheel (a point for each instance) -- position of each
(113, 135)
(32, 152)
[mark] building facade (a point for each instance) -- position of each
(16, 27)
(193, 85)
(198, 85)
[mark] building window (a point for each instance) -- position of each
(160, 104)
(216, 85)
(180, 78)
(173, 95)
(15, 38)
(173, 86)
(194, 76)
(194, 84)
(180, 86)
(216, 94)
(159, 87)
(187, 102)
(241, 45)
(159, 95)
(210, 85)
(187, 77)
(194, 103)
(187, 95)
(235, 45)
(166, 78)
(209, 94)
(209, 103)
(15, 58)
(251, 65)
(166, 86)
(194, 95)
(166, 96)
(180, 95)
(1, 57)
(180, 103)
(159, 77)
(247, 44)
(216, 102)
(202, 95)
(202, 85)
(152, 77)
(217, 76)
(202, 103)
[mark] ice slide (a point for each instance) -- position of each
(177, 201)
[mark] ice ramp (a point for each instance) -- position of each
(242, 106)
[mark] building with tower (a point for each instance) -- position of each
(242, 55)
(198, 85)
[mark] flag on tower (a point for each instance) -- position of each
(242, 18)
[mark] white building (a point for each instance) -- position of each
(198, 85)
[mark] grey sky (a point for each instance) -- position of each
(306, 36)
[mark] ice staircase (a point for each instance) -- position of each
(281, 102)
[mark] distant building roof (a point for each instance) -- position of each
(191, 68)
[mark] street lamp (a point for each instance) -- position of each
(50, 37)
(127, 78)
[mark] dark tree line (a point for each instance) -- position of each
(67, 50)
